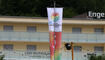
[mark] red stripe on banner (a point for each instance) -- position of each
(51, 35)
(58, 37)
(58, 40)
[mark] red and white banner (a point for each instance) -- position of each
(51, 33)
(55, 19)
(55, 27)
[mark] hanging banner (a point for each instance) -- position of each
(51, 33)
(55, 19)
(58, 19)
(58, 39)
(51, 45)
(55, 25)
(58, 31)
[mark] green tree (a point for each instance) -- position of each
(38, 7)
(2, 57)
(69, 12)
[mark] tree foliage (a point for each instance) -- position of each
(37, 8)
(99, 57)
(1, 57)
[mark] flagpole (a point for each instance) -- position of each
(52, 39)
(54, 6)
(54, 30)
(72, 50)
(57, 37)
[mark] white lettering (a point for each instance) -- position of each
(102, 14)
(90, 15)
(97, 15)
(94, 14)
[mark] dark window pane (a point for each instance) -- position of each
(8, 47)
(98, 30)
(77, 48)
(31, 28)
(76, 30)
(8, 28)
(31, 47)
(98, 49)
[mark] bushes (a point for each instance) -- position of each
(94, 57)
(1, 57)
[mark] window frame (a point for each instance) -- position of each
(100, 50)
(31, 27)
(5, 46)
(75, 48)
(8, 28)
(35, 47)
(101, 30)
(75, 30)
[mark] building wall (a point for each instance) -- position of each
(40, 46)
(43, 46)
(85, 28)
(88, 47)
(23, 26)
(67, 28)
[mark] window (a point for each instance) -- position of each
(98, 49)
(76, 30)
(8, 28)
(31, 28)
(98, 30)
(31, 47)
(77, 48)
(8, 47)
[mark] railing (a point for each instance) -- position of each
(44, 37)
(89, 38)
(25, 55)
(38, 55)
(24, 36)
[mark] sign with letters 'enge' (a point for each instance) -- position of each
(96, 15)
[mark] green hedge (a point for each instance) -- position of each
(99, 57)
(1, 57)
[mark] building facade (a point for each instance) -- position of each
(28, 37)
